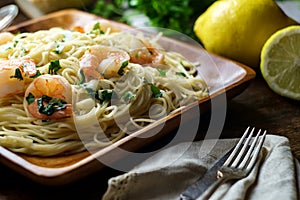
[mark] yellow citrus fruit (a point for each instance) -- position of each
(280, 62)
(238, 29)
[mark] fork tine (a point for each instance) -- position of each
(249, 152)
(243, 150)
(237, 147)
(256, 152)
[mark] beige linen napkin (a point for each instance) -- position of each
(275, 176)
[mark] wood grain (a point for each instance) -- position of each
(259, 106)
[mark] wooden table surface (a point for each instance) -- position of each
(256, 106)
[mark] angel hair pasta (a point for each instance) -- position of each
(123, 80)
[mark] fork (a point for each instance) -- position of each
(241, 161)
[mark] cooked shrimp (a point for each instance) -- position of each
(140, 51)
(13, 75)
(6, 37)
(48, 97)
(146, 55)
(104, 62)
(103, 25)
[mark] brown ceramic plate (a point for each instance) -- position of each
(65, 169)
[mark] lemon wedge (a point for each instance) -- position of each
(280, 62)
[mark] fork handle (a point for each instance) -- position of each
(213, 188)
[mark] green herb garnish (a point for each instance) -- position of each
(181, 62)
(181, 74)
(136, 55)
(98, 28)
(30, 98)
(59, 48)
(82, 77)
(15, 43)
(52, 105)
(54, 67)
(128, 96)
(104, 95)
(121, 70)
(38, 73)
(162, 72)
(18, 74)
(156, 93)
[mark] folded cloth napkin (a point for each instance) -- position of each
(275, 176)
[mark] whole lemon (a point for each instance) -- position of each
(238, 29)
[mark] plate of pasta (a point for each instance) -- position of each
(72, 91)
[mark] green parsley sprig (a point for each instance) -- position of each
(178, 15)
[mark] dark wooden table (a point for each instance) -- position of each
(256, 106)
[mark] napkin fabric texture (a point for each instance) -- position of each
(168, 173)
